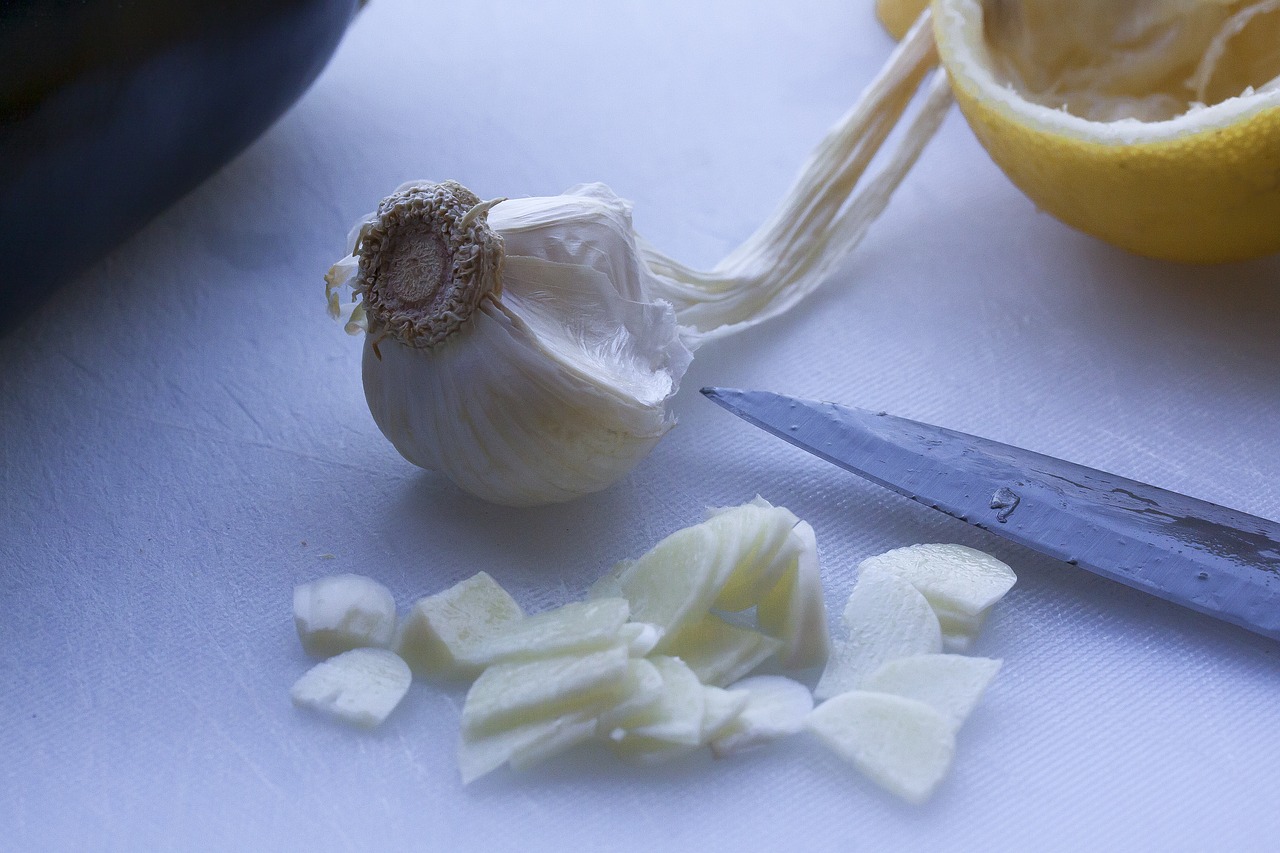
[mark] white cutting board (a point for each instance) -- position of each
(183, 438)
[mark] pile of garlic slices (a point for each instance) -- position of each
(658, 660)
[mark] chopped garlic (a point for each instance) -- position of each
(887, 618)
(360, 687)
(343, 612)
(439, 626)
(902, 744)
(775, 707)
(579, 672)
(950, 684)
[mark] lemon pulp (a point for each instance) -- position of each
(1153, 124)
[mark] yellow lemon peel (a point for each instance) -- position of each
(1154, 126)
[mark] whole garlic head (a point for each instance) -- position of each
(512, 345)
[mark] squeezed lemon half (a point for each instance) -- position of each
(1151, 124)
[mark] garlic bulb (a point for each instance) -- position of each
(528, 348)
(513, 347)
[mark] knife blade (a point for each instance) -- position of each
(1212, 559)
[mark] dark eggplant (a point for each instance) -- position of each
(110, 110)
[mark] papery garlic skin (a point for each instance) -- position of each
(556, 382)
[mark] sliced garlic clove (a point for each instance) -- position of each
(441, 626)
(523, 745)
(961, 583)
(757, 539)
(959, 644)
(513, 694)
(641, 694)
(719, 652)
(578, 626)
(343, 612)
(571, 732)
(646, 751)
(640, 637)
(360, 687)
(674, 583)
(950, 684)
(794, 611)
(903, 745)
(609, 585)
(720, 710)
(887, 618)
(775, 707)
(730, 561)
(676, 719)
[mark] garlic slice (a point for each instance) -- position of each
(440, 627)
(775, 707)
(950, 684)
(673, 725)
(361, 687)
(675, 581)
(343, 612)
(640, 637)
(523, 745)
(528, 349)
(641, 698)
(579, 626)
(794, 610)
(763, 550)
(721, 709)
(887, 618)
(512, 694)
(903, 745)
(962, 584)
(719, 652)
(731, 561)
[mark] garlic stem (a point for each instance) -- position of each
(825, 212)
(426, 261)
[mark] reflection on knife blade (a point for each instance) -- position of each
(1212, 559)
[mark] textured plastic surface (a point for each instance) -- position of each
(183, 438)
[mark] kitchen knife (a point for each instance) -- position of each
(1203, 556)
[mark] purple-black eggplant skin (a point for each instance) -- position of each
(110, 110)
